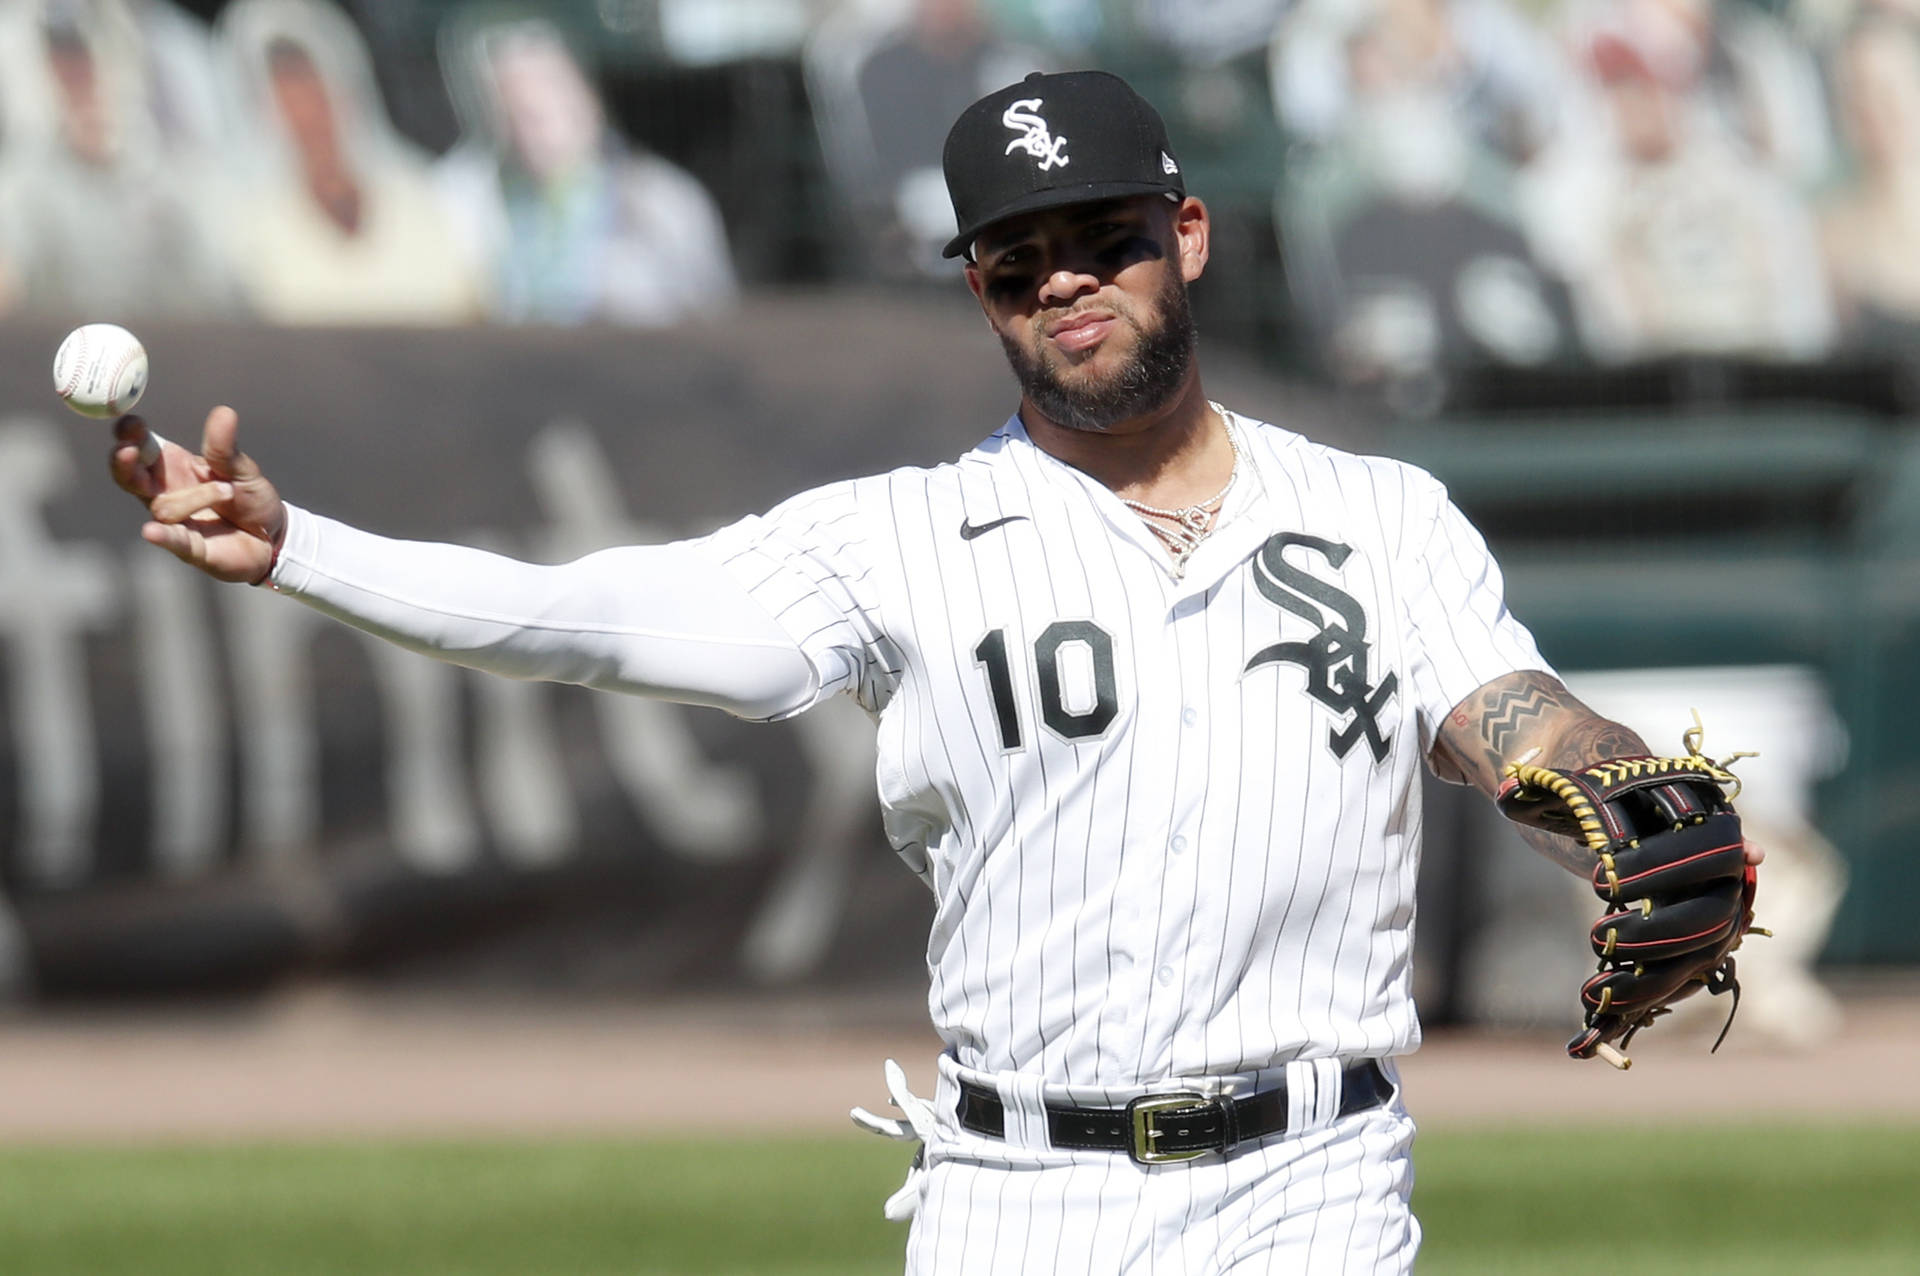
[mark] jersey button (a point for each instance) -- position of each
(1166, 974)
(1189, 715)
(1178, 843)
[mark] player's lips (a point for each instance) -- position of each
(1082, 331)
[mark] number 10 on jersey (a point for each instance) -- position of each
(1058, 644)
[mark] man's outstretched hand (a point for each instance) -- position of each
(215, 510)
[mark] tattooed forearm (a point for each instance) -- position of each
(1509, 711)
(1589, 739)
(1530, 714)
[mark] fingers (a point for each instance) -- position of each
(214, 546)
(1756, 855)
(134, 430)
(128, 474)
(215, 511)
(130, 428)
(196, 502)
(182, 542)
(219, 443)
(132, 460)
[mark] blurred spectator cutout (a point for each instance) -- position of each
(1209, 32)
(1494, 72)
(340, 222)
(182, 87)
(569, 222)
(1669, 201)
(1400, 230)
(1679, 237)
(887, 87)
(100, 207)
(1871, 227)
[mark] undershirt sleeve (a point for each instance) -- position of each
(811, 562)
(652, 620)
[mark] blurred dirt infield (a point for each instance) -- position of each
(325, 1063)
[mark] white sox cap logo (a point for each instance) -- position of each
(1119, 150)
(1036, 139)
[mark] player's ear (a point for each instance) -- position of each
(977, 286)
(1192, 236)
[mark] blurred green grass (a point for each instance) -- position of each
(1652, 1201)
(1750, 1200)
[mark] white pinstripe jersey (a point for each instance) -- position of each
(1171, 822)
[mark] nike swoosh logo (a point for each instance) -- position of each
(970, 530)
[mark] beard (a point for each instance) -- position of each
(1146, 383)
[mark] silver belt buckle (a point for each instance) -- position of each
(1146, 1113)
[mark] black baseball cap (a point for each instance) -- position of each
(1050, 140)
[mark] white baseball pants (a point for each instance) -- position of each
(1332, 1197)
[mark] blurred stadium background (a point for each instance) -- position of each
(1637, 278)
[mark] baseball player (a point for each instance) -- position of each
(1153, 680)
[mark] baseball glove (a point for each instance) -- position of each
(1672, 870)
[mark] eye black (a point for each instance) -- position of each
(1008, 283)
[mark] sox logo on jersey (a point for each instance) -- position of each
(1036, 138)
(1337, 657)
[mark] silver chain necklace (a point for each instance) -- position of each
(1183, 529)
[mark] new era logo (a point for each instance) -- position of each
(1167, 165)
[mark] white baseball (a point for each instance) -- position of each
(100, 370)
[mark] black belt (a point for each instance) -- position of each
(1174, 1126)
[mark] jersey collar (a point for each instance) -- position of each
(1239, 533)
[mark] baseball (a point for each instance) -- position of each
(100, 370)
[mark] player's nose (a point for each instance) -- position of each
(1065, 283)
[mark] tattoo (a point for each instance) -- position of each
(1496, 765)
(1591, 740)
(1511, 711)
(1532, 713)
(1582, 742)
